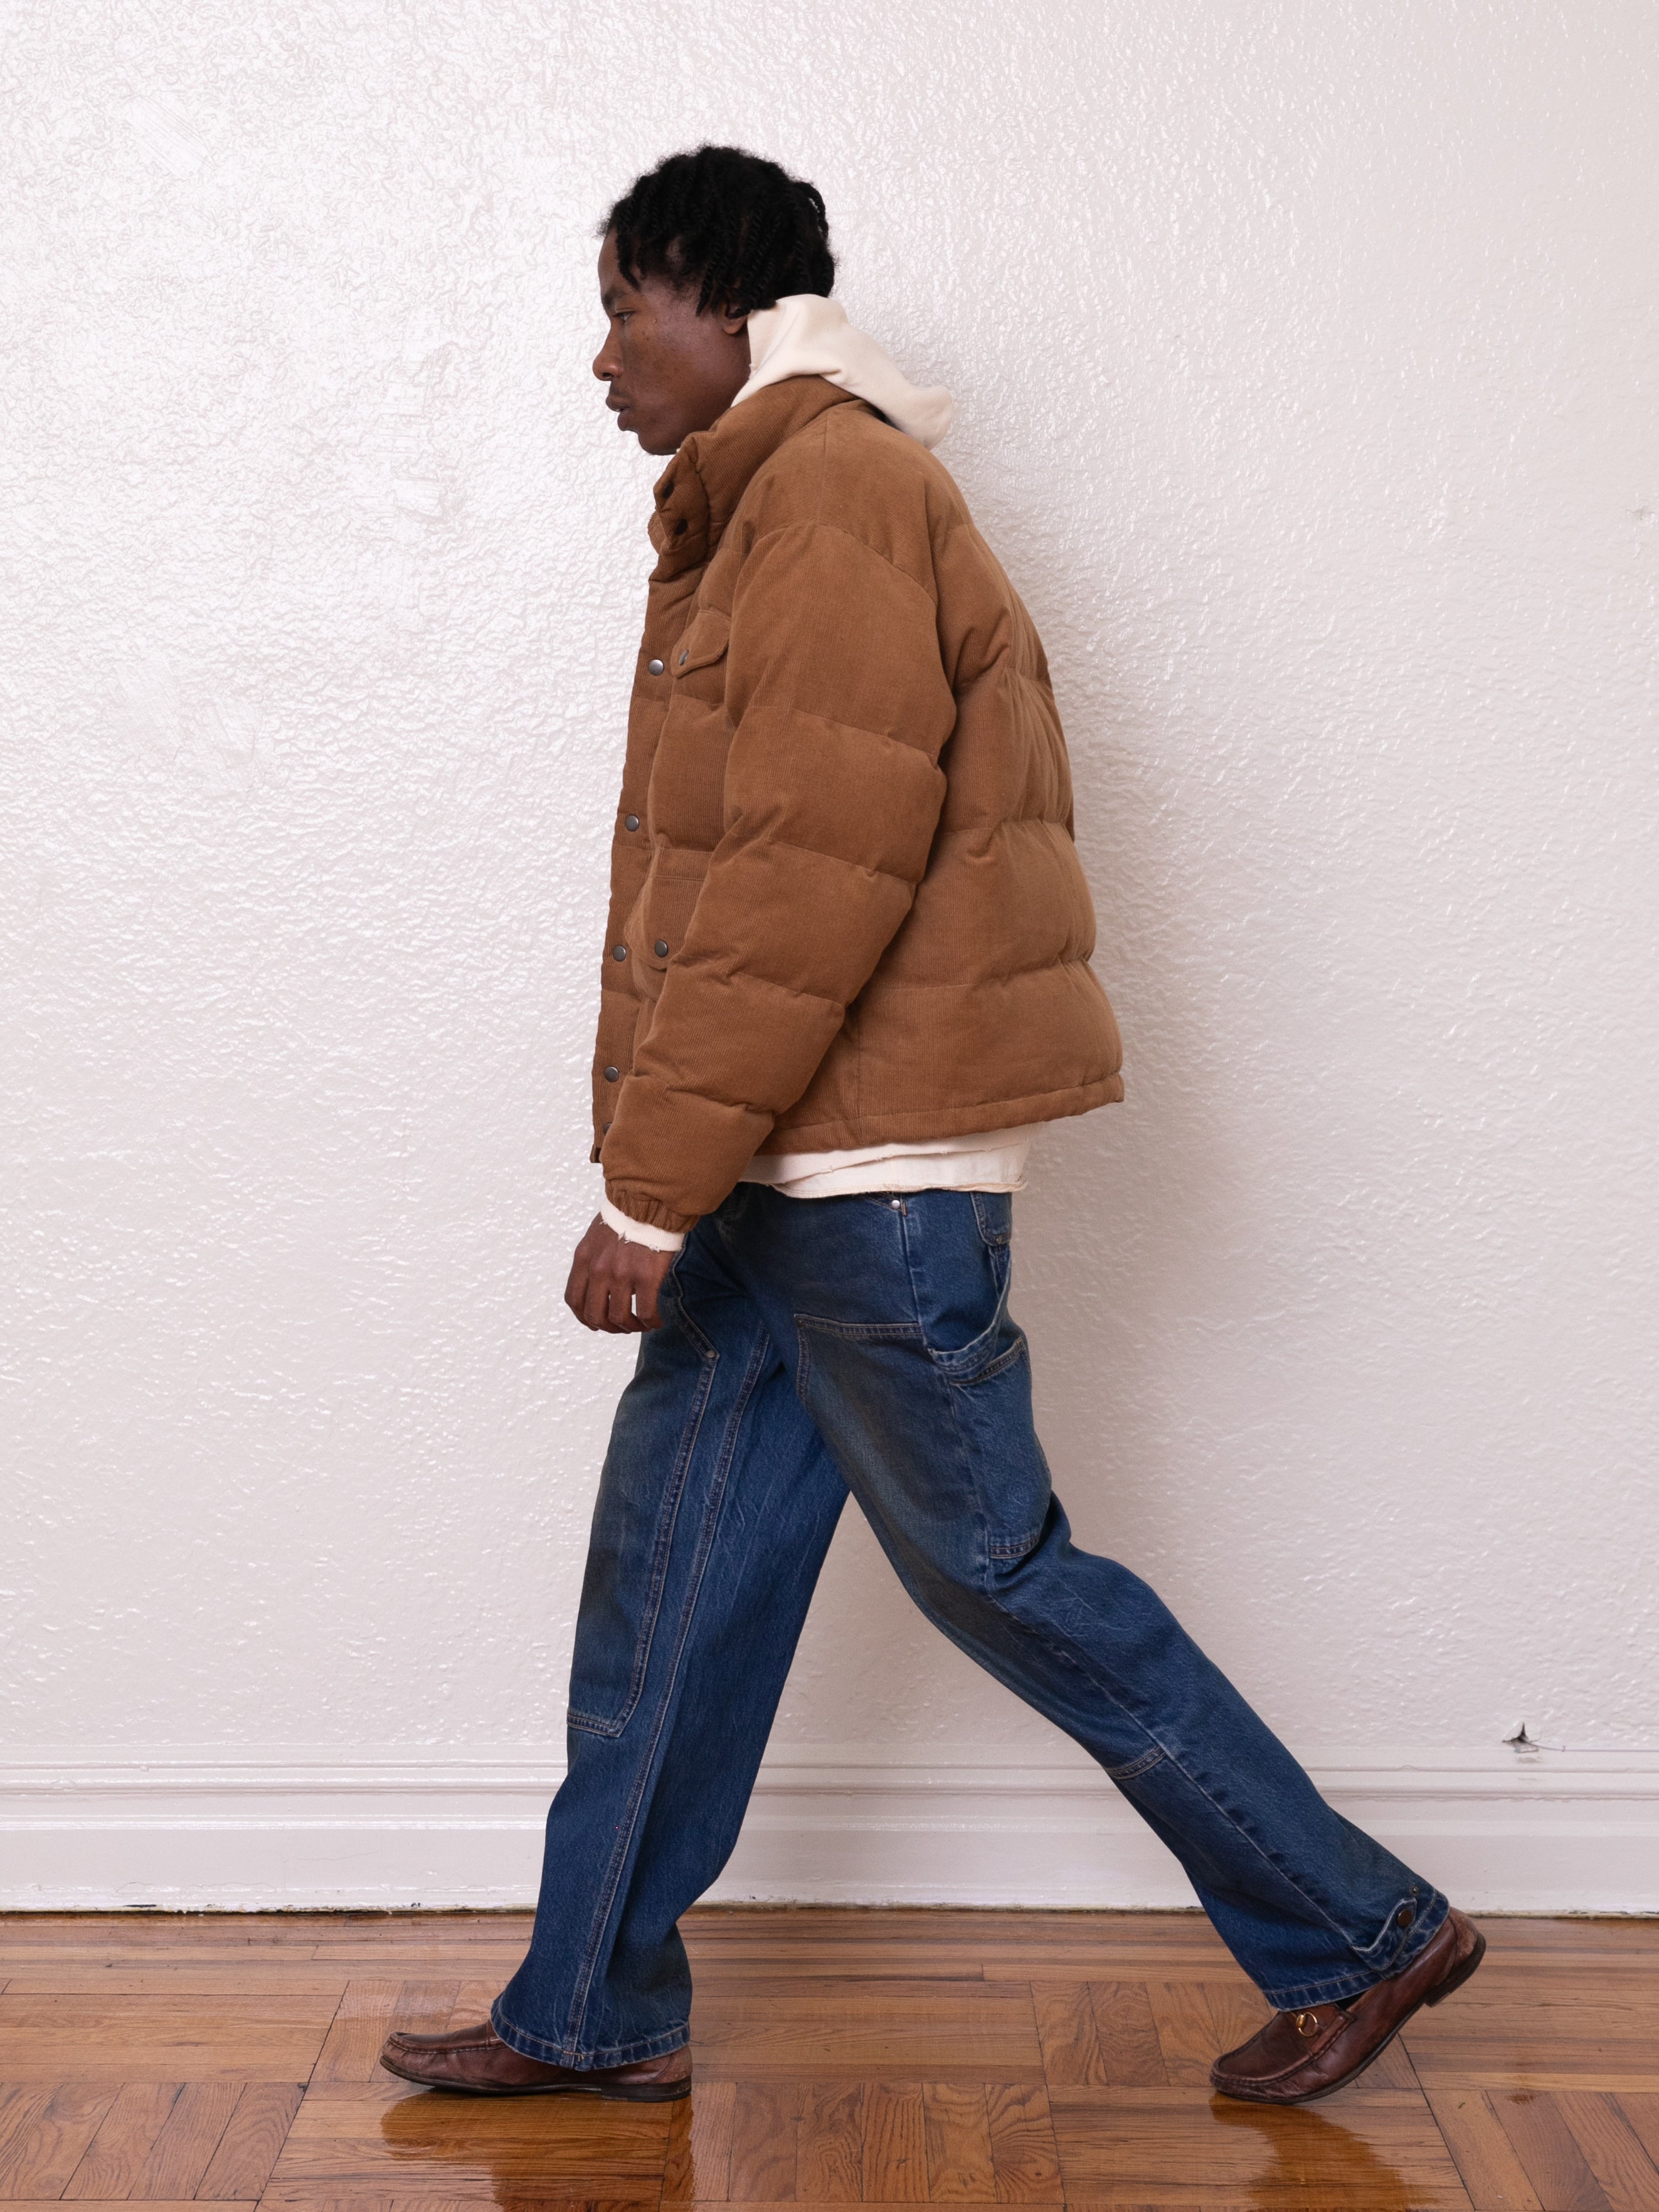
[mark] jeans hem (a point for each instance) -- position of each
(1358, 1979)
(587, 2062)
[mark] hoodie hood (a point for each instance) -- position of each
(807, 336)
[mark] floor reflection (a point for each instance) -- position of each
(1309, 2153)
(554, 2151)
(545, 2149)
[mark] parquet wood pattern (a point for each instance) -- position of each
(844, 2058)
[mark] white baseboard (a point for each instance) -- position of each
(184, 1829)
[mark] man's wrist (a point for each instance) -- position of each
(639, 1232)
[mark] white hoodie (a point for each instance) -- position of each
(807, 336)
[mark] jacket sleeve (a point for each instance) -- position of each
(839, 705)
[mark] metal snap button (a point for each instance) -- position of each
(631, 822)
(662, 948)
(612, 1073)
(619, 952)
(685, 656)
(653, 668)
(1404, 1917)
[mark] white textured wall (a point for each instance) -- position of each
(1304, 362)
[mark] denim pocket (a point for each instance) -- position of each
(993, 1213)
(1001, 1343)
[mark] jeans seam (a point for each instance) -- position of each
(1064, 1649)
(982, 1563)
(590, 1723)
(990, 1372)
(949, 1363)
(584, 1981)
(1180, 1766)
(1144, 1765)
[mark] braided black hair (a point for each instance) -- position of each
(742, 230)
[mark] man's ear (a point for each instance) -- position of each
(730, 321)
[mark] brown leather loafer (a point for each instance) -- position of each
(1300, 2056)
(475, 2061)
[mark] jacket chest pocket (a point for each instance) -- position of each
(703, 646)
(687, 772)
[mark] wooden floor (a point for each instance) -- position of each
(843, 2057)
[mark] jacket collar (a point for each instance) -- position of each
(698, 493)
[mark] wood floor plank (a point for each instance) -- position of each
(474, 1997)
(50, 1931)
(425, 2005)
(416, 1931)
(895, 2143)
(1549, 2156)
(1641, 2111)
(699, 2161)
(1574, 2034)
(1023, 2159)
(1613, 1932)
(241, 2038)
(958, 2136)
(1065, 2017)
(1126, 2036)
(42, 2151)
(208, 1979)
(1094, 1964)
(37, 1967)
(1373, 2153)
(939, 2030)
(907, 1963)
(21, 2109)
(1185, 2030)
(247, 2151)
(351, 2050)
(1612, 2150)
(829, 2143)
(765, 2116)
(182, 2152)
(115, 2157)
(1485, 2157)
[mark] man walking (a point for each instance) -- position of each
(846, 977)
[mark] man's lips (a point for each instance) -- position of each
(622, 409)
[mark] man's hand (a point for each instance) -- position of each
(613, 1285)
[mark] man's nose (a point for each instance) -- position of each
(604, 367)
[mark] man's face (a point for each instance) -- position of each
(670, 370)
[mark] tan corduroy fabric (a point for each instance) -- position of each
(851, 909)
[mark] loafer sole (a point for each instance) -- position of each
(645, 2093)
(1447, 1986)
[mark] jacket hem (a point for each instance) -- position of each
(910, 1124)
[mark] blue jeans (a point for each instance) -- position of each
(812, 1347)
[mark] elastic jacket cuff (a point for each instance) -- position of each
(639, 1232)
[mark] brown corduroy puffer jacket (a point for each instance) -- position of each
(846, 907)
